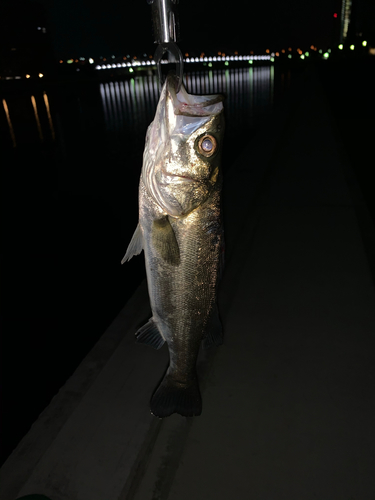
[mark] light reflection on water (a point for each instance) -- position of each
(132, 104)
(128, 107)
(21, 128)
(9, 121)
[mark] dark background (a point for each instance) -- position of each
(60, 277)
(92, 29)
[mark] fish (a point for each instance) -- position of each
(180, 231)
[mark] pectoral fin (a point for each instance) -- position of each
(135, 246)
(164, 241)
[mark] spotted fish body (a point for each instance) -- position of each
(180, 231)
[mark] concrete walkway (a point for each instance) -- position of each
(288, 400)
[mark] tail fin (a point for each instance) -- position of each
(175, 397)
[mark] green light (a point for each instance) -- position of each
(272, 59)
(364, 43)
(226, 63)
(250, 61)
(210, 64)
(290, 56)
(131, 70)
(302, 56)
(69, 61)
(341, 46)
(307, 54)
(320, 51)
(329, 50)
(326, 55)
(352, 47)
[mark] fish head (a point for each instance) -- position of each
(181, 161)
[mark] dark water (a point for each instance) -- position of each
(72, 156)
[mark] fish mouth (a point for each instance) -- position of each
(192, 105)
(183, 178)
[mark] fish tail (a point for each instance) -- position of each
(175, 397)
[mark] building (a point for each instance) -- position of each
(346, 8)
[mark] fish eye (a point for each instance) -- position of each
(207, 145)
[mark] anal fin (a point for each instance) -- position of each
(149, 334)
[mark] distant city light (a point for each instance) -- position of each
(302, 56)
(91, 60)
(131, 70)
(352, 47)
(40, 75)
(289, 56)
(27, 76)
(250, 61)
(364, 43)
(39, 28)
(226, 63)
(307, 54)
(69, 61)
(341, 46)
(210, 64)
(335, 14)
(326, 55)
(81, 58)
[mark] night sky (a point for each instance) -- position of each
(92, 29)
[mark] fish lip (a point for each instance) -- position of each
(184, 178)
